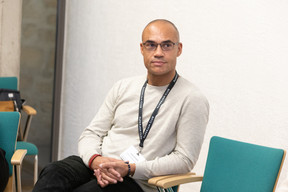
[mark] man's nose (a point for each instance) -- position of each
(158, 51)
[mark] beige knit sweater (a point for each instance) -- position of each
(174, 141)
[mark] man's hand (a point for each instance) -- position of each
(99, 160)
(105, 176)
(119, 166)
(113, 168)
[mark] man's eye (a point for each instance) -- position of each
(151, 44)
(167, 45)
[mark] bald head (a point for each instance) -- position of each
(161, 22)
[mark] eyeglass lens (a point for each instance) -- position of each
(165, 46)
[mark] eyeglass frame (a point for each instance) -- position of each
(161, 45)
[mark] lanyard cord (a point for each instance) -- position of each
(142, 135)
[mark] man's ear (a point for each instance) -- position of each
(179, 49)
(141, 48)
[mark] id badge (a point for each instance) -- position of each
(132, 155)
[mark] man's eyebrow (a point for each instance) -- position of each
(167, 41)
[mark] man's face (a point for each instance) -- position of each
(160, 62)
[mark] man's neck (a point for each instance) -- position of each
(160, 80)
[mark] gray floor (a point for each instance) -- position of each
(27, 176)
(28, 167)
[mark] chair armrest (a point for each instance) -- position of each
(18, 156)
(16, 160)
(174, 180)
(29, 110)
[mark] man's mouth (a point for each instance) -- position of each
(158, 62)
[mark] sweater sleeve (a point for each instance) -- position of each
(191, 128)
(91, 139)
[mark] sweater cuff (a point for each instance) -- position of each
(140, 171)
(91, 160)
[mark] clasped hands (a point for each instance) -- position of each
(109, 170)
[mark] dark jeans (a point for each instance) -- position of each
(4, 171)
(71, 174)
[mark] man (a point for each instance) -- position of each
(4, 173)
(140, 131)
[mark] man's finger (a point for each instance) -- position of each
(109, 169)
(101, 180)
(108, 178)
(116, 174)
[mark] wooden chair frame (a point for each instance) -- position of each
(166, 183)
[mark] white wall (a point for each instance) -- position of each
(235, 51)
(10, 37)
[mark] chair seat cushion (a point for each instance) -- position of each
(31, 148)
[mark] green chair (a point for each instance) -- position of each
(9, 124)
(12, 83)
(8, 83)
(232, 166)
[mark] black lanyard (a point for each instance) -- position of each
(142, 135)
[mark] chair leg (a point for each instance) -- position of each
(160, 189)
(165, 190)
(18, 176)
(35, 169)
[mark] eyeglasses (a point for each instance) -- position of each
(165, 46)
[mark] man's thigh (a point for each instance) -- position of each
(4, 170)
(127, 185)
(64, 175)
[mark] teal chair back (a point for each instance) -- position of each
(12, 83)
(238, 167)
(9, 123)
(9, 83)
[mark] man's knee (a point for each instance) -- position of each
(4, 170)
(67, 173)
(71, 166)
